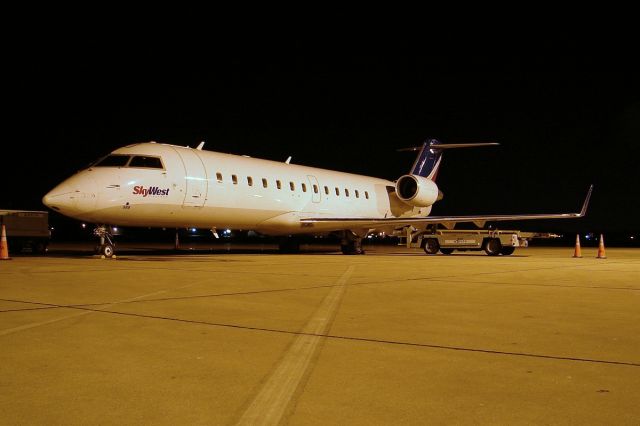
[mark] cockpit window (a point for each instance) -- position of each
(113, 160)
(148, 162)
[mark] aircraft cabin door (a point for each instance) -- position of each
(195, 179)
(315, 188)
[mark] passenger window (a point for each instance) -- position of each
(115, 160)
(234, 179)
(326, 190)
(366, 195)
(337, 191)
(346, 192)
(264, 183)
(315, 189)
(147, 162)
(292, 186)
(219, 177)
(279, 184)
(357, 194)
(304, 187)
(249, 181)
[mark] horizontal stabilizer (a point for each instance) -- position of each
(450, 145)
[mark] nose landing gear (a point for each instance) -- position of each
(107, 246)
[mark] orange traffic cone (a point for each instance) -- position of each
(4, 247)
(601, 254)
(577, 252)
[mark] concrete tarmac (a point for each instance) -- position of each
(392, 337)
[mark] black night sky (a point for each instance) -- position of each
(563, 123)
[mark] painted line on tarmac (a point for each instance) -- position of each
(270, 404)
(85, 312)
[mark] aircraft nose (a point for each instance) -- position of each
(74, 196)
(47, 200)
(59, 198)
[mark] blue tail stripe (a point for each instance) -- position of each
(427, 159)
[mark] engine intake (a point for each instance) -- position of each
(417, 191)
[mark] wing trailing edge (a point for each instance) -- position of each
(447, 221)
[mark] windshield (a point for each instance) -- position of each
(148, 162)
(113, 160)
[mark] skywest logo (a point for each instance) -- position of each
(152, 190)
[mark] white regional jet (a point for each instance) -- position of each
(160, 185)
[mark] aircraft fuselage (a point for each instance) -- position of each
(194, 188)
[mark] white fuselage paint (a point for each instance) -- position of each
(187, 192)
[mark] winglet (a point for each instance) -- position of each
(586, 202)
(199, 147)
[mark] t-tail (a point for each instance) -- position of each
(428, 161)
(418, 188)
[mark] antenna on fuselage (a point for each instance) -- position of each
(288, 160)
(199, 147)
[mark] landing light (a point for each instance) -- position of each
(193, 229)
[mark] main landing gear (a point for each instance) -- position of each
(107, 246)
(351, 243)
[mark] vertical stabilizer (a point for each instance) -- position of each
(428, 161)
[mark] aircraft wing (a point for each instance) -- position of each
(447, 221)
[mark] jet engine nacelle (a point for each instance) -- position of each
(417, 191)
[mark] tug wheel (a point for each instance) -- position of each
(492, 246)
(431, 246)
